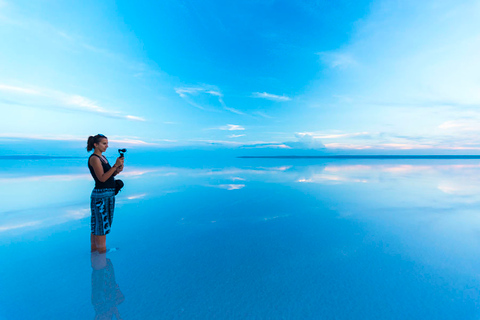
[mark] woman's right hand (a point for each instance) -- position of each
(119, 162)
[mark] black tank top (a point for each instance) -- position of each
(110, 183)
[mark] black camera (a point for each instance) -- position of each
(122, 152)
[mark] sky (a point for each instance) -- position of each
(348, 77)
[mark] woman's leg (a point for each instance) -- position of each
(93, 246)
(100, 243)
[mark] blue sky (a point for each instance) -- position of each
(343, 76)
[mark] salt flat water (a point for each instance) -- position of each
(229, 238)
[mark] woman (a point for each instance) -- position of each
(102, 201)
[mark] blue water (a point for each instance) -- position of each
(244, 239)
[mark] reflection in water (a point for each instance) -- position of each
(459, 180)
(106, 294)
(254, 240)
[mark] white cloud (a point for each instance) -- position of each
(462, 125)
(45, 178)
(46, 98)
(270, 96)
(346, 146)
(132, 142)
(4, 87)
(232, 127)
(390, 141)
(267, 145)
(84, 103)
(243, 145)
(184, 92)
(78, 214)
(53, 137)
(236, 135)
(137, 196)
(321, 178)
(18, 226)
(306, 141)
(232, 186)
(397, 146)
(214, 93)
(333, 136)
(130, 117)
(224, 143)
(64, 137)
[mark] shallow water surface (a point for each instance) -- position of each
(244, 239)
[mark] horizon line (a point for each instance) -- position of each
(367, 157)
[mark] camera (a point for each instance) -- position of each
(122, 152)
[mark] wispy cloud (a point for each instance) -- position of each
(243, 145)
(44, 178)
(346, 146)
(391, 141)
(270, 96)
(63, 137)
(262, 114)
(212, 142)
(46, 98)
(231, 186)
(461, 125)
(333, 136)
(18, 226)
(15, 89)
(232, 127)
(52, 137)
(266, 145)
(135, 118)
(185, 92)
(236, 135)
(193, 95)
(233, 110)
(137, 196)
(133, 142)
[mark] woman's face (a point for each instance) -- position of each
(102, 145)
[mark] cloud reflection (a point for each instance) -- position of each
(453, 179)
(231, 186)
(18, 226)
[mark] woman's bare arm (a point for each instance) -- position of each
(98, 169)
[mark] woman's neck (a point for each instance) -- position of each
(98, 153)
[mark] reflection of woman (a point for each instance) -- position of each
(106, 294)
(102, 201)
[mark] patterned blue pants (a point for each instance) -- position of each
(102, 204)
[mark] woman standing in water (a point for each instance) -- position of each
(103, 195)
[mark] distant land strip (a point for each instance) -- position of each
(367, 157)
(36, 157)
